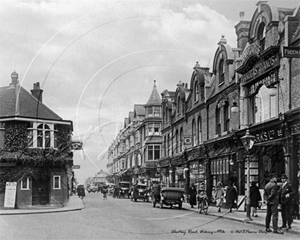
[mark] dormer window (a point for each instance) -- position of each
(153, 111)
(221, 71)
(261, 35)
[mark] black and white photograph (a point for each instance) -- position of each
(157, 119)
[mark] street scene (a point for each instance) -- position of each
(123, 219)
(149, 119)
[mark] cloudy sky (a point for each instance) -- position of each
(95, 59)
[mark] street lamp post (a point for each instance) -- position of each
(248, 142)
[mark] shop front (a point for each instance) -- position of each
(163, 169)
(293, 126)
(178, 164)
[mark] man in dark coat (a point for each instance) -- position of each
(193, 194)
(156, 193)
(231, 196)
(271, 197)
(286, 193)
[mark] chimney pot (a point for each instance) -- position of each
(37, 92)
(242, 15)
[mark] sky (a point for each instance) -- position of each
(95, 59)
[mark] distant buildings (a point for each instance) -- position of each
(134, 154)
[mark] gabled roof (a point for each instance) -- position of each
(26, 105)
(139, 110)
(154, 99)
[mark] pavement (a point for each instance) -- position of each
(240, 216)
(75, 203)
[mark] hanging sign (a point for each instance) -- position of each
(291, 52)
(10, 195)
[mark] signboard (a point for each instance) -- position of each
(76, 145)
(76, 167)
(241, 202)
(10, 195)
(291, 52)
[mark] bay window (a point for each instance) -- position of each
(41, 135)
(153, 152)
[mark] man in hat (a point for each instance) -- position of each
(271, 197)
(286, 193)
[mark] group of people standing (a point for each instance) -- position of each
(273, 197)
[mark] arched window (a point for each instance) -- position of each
(166, 114)
(218, 120)
(261, 35)
(226, 116)
(177, 141)
(43, 136)
(194, 131)
(178, 105)
(169, 146)
(221, 71)
(181, 140)
(165, 146)
(264, 105)
(196, 92)
(199, 131)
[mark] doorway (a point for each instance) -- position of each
(40, 191)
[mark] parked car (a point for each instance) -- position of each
(171, 196)
(124, 189)
(140, 191)
(92, 188)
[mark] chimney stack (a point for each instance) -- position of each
(37, 92)
(242, 31)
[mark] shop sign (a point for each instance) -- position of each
(268, 135)
(76, 167)
(295, 128)
(269, 80)
(10, 194)
(260, 68)
(291, 52)
(179, 170)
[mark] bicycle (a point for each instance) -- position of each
(202, 204)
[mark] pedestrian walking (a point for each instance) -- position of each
(271, 198)
(255, 198)
(286, 193)
(193, 194)
(156, 193)
(231, 195)
(219, 195)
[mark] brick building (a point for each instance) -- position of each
(34, 148)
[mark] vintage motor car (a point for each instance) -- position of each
(171, 196)
(140, 191)
(124, 189)
(92, 188)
